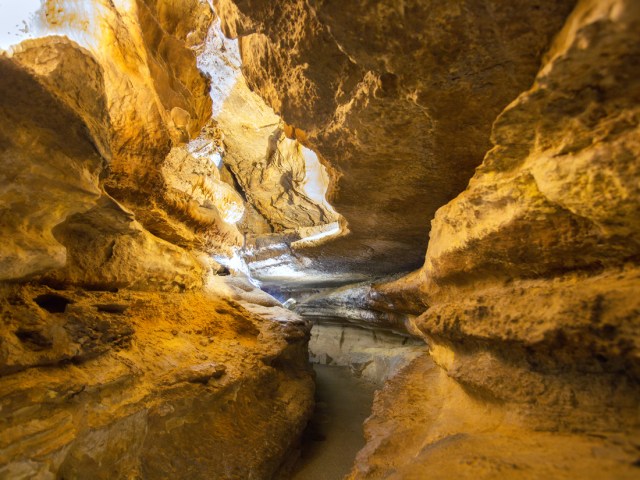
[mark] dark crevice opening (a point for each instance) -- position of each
(52, 303)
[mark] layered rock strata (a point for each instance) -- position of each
(147, 385)
(114, 355)
(123, 354)
(531, 282)
(374, 355)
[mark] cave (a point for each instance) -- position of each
(319, 239)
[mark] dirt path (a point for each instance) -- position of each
(335, 433)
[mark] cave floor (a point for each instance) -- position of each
(335, 433)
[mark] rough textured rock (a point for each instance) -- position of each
(111, 205)
(157, 99)
(426, 425)
(147, 385)
(386, 92)
(361, 304)
(562, 173)
(531, 284)
(283, 182)
(132, 353)
(50, 160)
(59, 220)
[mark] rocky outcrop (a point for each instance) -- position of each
(134, 152)
(147, 385)
(60, 221)
(426, 425)
(364, 304)
(398, 98)
(531, 283)
(123, 354)
(561, 174)
(66, 156)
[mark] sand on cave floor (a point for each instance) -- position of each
(335, 433)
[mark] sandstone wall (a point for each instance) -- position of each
(123, 354)
(531, 283)
(375, 355)
(147, 385)
(397, 97)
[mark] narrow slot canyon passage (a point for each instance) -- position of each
(334, 435)
(350, 364)
(318, 239)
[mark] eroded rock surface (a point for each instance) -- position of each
(134, 151)
(374, 355)
(57, 142)
(531, 284)
(123, 354)
(147, 385)
(397, 97)
(426, 425)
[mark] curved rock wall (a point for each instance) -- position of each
(116, 326)
(527, 295)
(123, 354)
(398, 97)
(531, 284)
(147, 385)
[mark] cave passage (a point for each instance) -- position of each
(433, 205)
(334, 434)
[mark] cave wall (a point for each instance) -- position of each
(398, 97)
(528, 293)
(531, 282)
(147, 385)
(116, 325)
(123, 354)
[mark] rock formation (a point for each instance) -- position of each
(397, 97)
(124, 355)
(527, 297)
(159, 158)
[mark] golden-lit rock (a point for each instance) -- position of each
(311, 150)
(426, 425)
(531, 283)
(147, 385)
(281, 179)
(53, 135)
(398, 98)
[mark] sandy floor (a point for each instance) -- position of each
(335, 434)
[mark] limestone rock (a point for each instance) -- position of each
(398, 98)
(425, 425)
(52, 140)
(108, 249)
(373, 354)
(121, 385)
(282, 179)
(360, 304)
(559, 190)
(531, 284)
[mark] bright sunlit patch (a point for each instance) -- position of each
(236, 264)
(316, 180)
(82, 21)
(216, 158)
(321, 232)
(78, 20)
(17, 21)
(221, 61)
